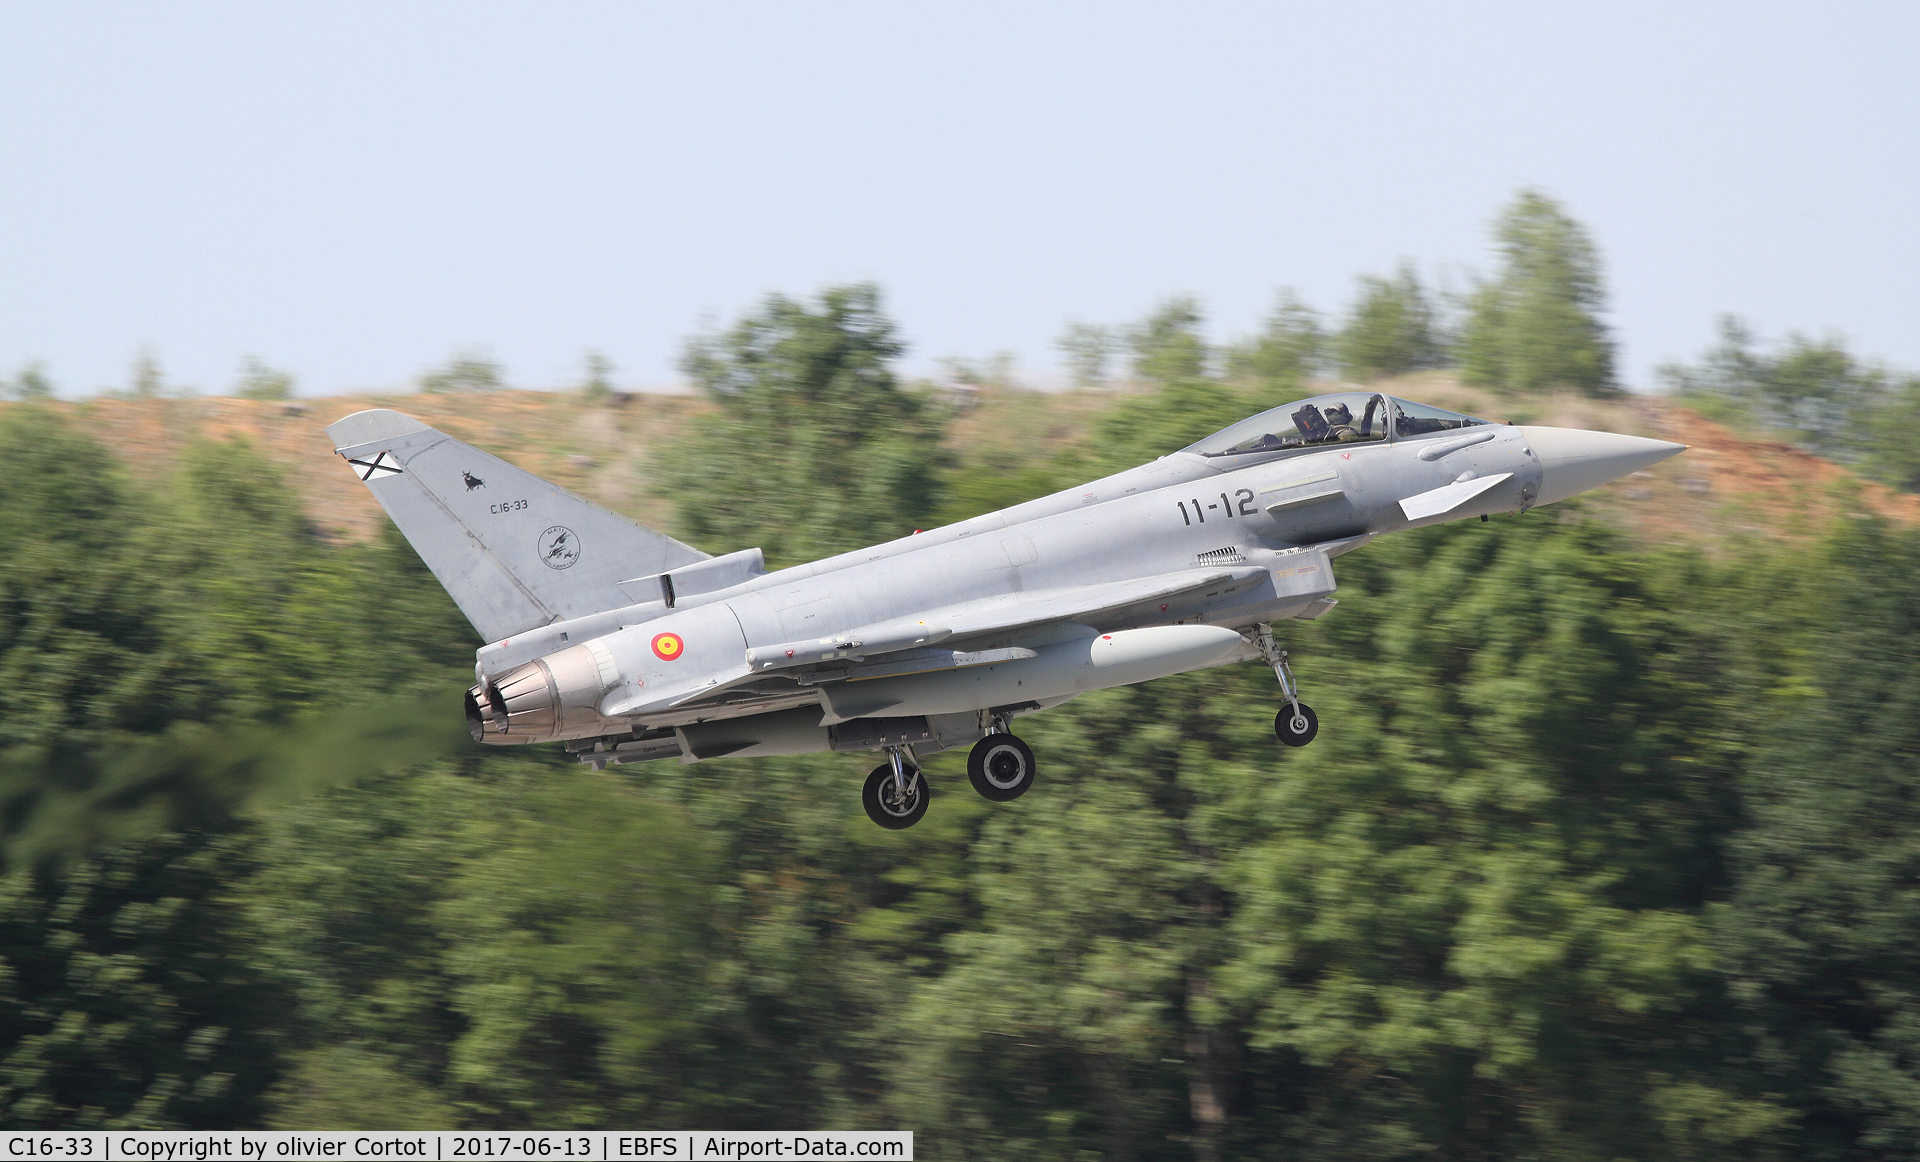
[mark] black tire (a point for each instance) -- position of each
(877, 797)
(1283, 725)
(1000, 768)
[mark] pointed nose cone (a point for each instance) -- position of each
(1573, 461)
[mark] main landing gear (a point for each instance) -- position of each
(1001, 768)
(1296, 724)
(896, 792)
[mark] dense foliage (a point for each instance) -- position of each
(1288, 350)
(821, 450)
(1391, 329)
(1533, 326)
(1602, 853)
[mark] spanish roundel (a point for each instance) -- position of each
(668, 646)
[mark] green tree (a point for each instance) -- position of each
(597, 385)
(473, 369)
(1390, 329)
(1536, 325)
(1289, 350)
(79, 647)
(131, 993)
(1821, 933)
(1730, 381)
(1468, 927)
(1087, 348)
(135, 987)
(148, 380)
(349, 1085)
(813, 447)
(1186, 402)
(1150, 425)
(259, 381)
(581, 954)
(1168, 346)
(260, 617)
(1887, 450)
(32, 383)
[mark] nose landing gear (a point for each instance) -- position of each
(1296, 724)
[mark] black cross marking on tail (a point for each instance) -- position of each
(375, 468)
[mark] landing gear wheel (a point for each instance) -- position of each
(887, 806)
(1296, 733)
(1295, 727)
(1000, 767)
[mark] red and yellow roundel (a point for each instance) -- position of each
(668, 646)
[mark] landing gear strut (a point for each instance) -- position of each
(1296, 724)
(896, 793)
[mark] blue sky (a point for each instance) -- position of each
(353, 191)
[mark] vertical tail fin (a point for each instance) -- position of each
(514, 551)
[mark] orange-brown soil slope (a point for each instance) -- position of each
(1724, 487)
(603, 452)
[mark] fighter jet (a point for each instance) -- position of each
(627, 645)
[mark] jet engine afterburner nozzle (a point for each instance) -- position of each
(480, 712)
(546, 699)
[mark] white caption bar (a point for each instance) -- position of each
(448, 1146)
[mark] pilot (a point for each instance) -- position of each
(1340, 422)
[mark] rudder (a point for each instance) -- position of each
(513, 550)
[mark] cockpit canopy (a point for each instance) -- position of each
(1348, 417)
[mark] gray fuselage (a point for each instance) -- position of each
(1248, 516)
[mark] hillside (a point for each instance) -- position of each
(1723, 487)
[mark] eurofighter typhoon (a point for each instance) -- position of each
(627, 645)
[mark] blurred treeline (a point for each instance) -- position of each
(1813, 392)
(1602, 852)
(1532, 325)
